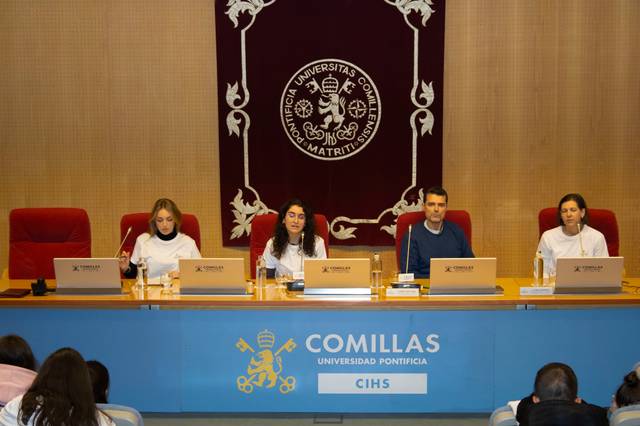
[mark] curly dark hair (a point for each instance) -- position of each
(61, 393)
(281, 236)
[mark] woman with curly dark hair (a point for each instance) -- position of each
(294, 238)
(61, 395)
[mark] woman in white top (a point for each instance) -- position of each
(573, 238)
(162, 246)
(294, 239)
(61, 394)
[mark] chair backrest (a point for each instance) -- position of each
(459, 217)
(502, 416)
(122, 415)
(626, 416)
(37, 235)
(262, 228)
(139, 223)
(601, 219)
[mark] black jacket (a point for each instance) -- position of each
(560, 413)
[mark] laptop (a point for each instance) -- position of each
(474, 275)
(87, 275)
(337, 276)
(589, 275)
(212, 276)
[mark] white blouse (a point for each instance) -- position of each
(162, 256)
(292, 258)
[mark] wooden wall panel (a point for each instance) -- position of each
(110, 104)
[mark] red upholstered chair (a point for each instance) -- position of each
(601, 219)
(37, 235)
(262, 229)
(140, 224)
(459, 217)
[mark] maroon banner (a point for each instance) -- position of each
(337, 102)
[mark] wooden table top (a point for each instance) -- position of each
(273, 296)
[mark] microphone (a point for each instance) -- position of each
(122, 243)
(582, 252)
(301, 250)
(406, 268)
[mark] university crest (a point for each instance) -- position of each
(265, 366)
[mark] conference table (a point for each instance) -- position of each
(280, 351)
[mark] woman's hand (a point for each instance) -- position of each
(124, 261)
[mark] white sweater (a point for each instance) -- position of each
(554, 244)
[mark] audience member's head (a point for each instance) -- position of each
(61, 394)
(14, 350)
(99, 381)
(556, 381)
(629, 391)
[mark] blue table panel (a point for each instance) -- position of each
(270, 361)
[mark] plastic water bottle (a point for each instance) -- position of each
(538, 269)
(261, 273)
(142, 277)
(376, 273)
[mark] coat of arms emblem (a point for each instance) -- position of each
(265, 366)
(330, 109)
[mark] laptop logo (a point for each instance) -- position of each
(85, 268)
(265, 366)
(588, 268)
(336, 269)
(209, 268)
(458, 268)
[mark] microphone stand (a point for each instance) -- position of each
(301, 250)
(582, 252)
(122, 243)
(406, 268)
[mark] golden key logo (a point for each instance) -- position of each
(265, 366)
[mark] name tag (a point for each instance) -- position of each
(405, 278)
(536, 291)
(403, 292)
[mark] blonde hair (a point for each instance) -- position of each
(171, 207)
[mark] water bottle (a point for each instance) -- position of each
(376, 273)
(261, 273)
(538, 269)
(142, 277)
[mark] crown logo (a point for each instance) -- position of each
(266, 339)
(330, 85)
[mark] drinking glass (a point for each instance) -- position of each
(282, 277)
(166, 282)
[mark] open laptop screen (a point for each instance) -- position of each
(463, 275)
(87, 275)
(337, 276)
(212, 276)
(589, 274)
